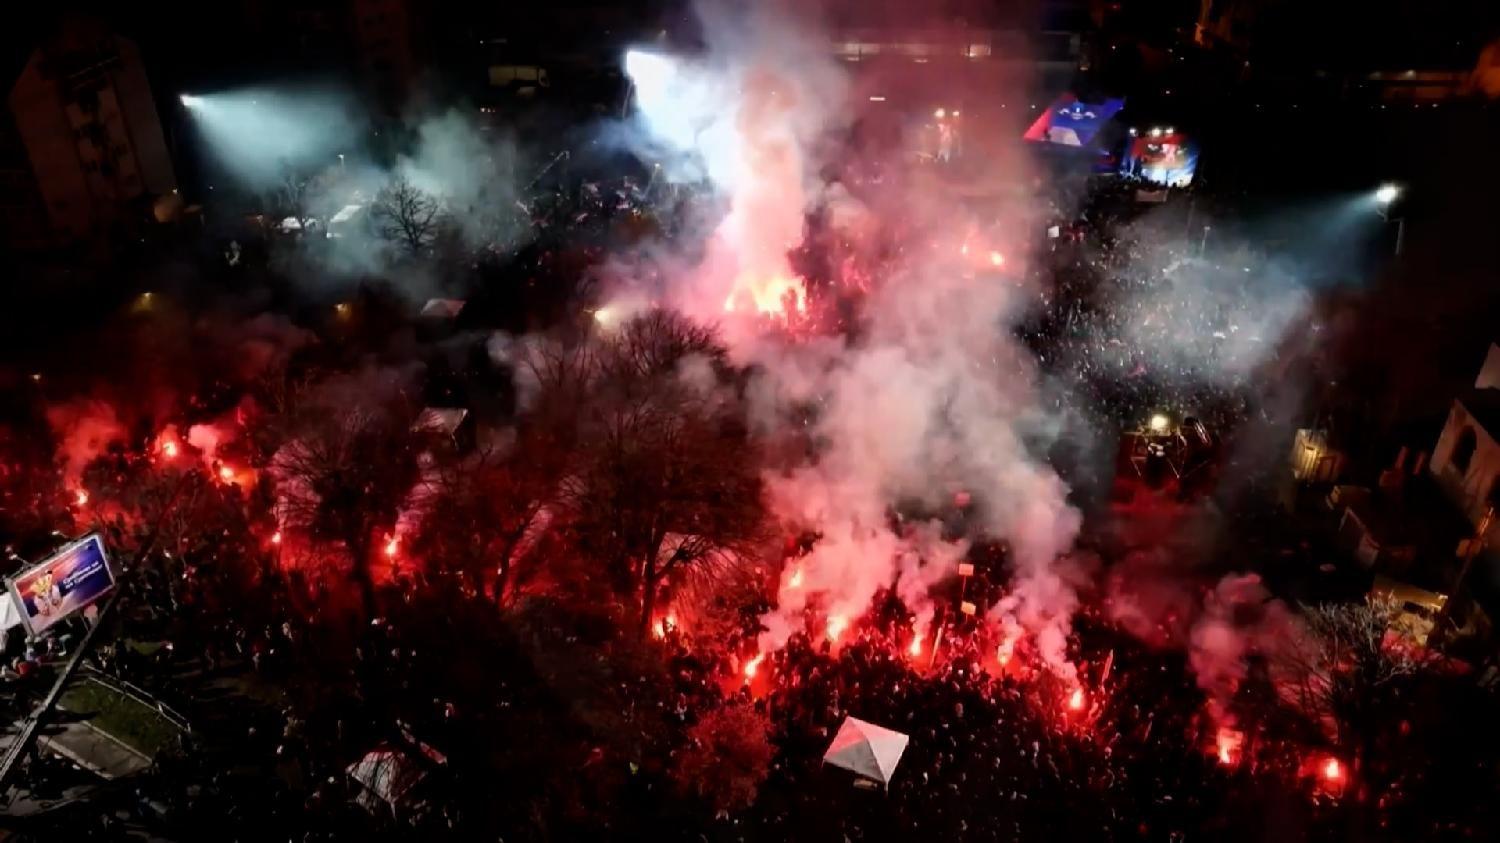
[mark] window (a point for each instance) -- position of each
(1463, 452)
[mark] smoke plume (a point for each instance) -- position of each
(927, 393)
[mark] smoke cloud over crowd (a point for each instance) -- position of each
(930, 401)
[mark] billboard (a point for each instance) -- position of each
(1163, 158)
(63, 583)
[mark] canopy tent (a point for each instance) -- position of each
(867, 750)
(386, 778)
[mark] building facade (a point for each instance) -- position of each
(1466, 460)
(95, 154)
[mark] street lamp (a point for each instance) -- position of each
(1385, 197)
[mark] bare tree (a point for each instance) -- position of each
(407, 216)
(1348, 672)
(491, 516)
(343, 476)
(297, 196)
(670, 480)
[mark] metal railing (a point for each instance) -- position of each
(138, 694)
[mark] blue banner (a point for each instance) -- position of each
(69, 580)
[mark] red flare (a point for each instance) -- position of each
(1228, 742)
(1075, 701)
(81, 498)
(1333, 770)
(836, 625)
(997, 259)
(169, 449)
(226, 474)
(796, 579)
(753, 665)
(916, 644)
(276, 537)
(392, 546)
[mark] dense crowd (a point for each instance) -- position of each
(550, 718)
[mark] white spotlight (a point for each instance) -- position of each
(1387, 193)
(647, 69)
(190, 101)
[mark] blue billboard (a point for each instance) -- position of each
(67, 581)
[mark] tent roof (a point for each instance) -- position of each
(444, 420)
(866, 749)
(386, 773)
(443, 308)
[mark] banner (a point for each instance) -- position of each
(1071, 122)
(69, 580)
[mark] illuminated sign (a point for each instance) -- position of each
(67, 581)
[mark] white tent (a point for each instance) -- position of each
(866, 750)
(386, 777)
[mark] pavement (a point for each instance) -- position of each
(94, 750)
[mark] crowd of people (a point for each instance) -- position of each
(550, 718)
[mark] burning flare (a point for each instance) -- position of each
(1333, 770)
(392, 546)
(1229, 742)
(1075, 700)
(81, 498)
(779, 296)
(916, 644)
(753, 665)
(836, 626)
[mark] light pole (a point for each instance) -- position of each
(1385, 197)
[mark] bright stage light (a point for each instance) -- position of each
(1159, 423)
(647, 69)
(190, 101)
(940, 113)
(1387, 194)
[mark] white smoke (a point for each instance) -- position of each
(932, 394)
